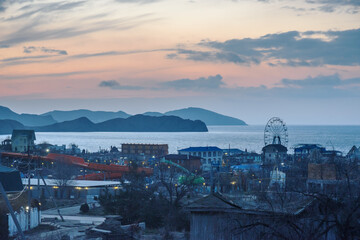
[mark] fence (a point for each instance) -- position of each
(27, 220)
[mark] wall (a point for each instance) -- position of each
(23, 218)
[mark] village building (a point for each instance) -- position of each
(145, 149)
(6, 145)
(353, 154)
(232, 151)
(327, 178)
(243, 158)
(274, 154)
(211, 156)
(191, 163)
(305, 150)
(23, 140)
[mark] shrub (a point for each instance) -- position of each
(84, 208)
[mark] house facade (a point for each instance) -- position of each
(353, 154)
(211, 156)
(191, 163)
(22, 140)
(216, 217)
(274, 154)
(144, 149)
(304, 150)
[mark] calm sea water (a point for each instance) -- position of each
(340, 138)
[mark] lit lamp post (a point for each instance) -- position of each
(233, 183)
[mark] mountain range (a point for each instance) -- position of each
(63, 119)
(208, 117)
(137, 123)
(26, 119)
(94, 116)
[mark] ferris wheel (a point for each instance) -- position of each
(276, 132)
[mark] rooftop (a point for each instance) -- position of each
(309, 146)
(278, 147)
(201, 149)
(294, 204)
(180, 157)
(71, 183)
(28, 133)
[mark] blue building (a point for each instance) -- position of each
(304, 150)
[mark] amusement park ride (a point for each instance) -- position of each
(276, 132)
(101, 171)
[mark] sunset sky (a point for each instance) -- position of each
(251, 59)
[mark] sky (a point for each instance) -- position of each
(251, 59)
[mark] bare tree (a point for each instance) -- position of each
(174, 185)
(327, 214)
(63, 174)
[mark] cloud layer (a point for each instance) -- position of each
(199, 84)
(318, 87)
(113, 84)
(186, 84)
(32, 49)
(293, 48)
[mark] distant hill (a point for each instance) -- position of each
(153, 114)
(208, 117)
(94, 116)
(25, 119)
(7, 126)
(78, 125)
(137, 123)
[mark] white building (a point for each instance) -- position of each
(23, 140)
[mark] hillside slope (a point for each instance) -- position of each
(137, 123)
(94, 116)
(25, 119)
(7, 126)
(208, 117)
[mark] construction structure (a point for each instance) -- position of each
(101, 171)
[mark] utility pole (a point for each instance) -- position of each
(11, 210)
(28, 208)
(51, 197)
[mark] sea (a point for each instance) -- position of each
(251, 138)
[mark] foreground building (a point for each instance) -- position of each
(70, 189)
(215, 217)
